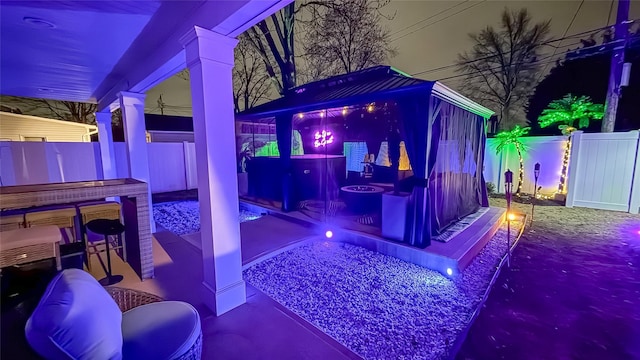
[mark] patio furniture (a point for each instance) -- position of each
(78, 318)
(93, 210)
(134, 199)
(362, 199)
(62, 216)
(11, 221)
(107, 228)
(22, 246)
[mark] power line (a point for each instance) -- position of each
(546, 43)
(563, 35)
(610, 10)
(429, 17)
(437, 21)
(541, 61)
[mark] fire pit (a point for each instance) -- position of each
(362, 199)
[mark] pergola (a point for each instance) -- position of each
(111, 53)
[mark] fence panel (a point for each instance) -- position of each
(26, 163)
(190, 165)
(546, 150)
(166, 167)
(601, 171)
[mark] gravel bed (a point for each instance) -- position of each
(183, 217)
(376, 305)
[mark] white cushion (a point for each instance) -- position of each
(160, 331)
(76, 319)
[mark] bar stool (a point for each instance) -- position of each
(62, 216)
(106, 228)
(98, 210)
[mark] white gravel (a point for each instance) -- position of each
(183, 217)
(376, 305)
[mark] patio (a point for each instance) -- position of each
(238, 334)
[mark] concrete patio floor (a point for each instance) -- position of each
(259, 329)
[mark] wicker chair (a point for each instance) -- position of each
(128, 299)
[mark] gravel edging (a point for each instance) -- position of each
(183, 217)
(378, 306)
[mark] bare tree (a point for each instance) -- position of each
(250, 79)
(277, 52)
(62, 110)
(346, 37)
(501, 70)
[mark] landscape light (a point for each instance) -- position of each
(449, 271)
(344, 111)
(300, 115)
(328, 234)
(370, 108)
(512, 217)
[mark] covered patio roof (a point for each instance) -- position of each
(372, 84)
(89, 51)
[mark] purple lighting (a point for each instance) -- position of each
(323, 138)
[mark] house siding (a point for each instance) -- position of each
(15, 127)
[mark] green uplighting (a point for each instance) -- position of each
(514, 137)
(571, 112)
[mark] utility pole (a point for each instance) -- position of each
(161, 105)
(617, 63)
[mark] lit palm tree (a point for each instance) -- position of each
(514, 137)
(571, 113)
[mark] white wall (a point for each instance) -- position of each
(546, 150)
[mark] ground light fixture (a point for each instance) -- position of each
(511, 216)
(536, 174)
(508, 188)
(328, 234)
(449, 271)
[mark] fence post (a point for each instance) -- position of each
(634, 198)
(185, 154)
(574, 165)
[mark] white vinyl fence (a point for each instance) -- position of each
(546, 150)
(604, 171)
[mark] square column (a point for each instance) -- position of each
(135, 137)
(107, 153)
(210, 61)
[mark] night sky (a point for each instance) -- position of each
(427, 44)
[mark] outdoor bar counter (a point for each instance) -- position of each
(135, 209)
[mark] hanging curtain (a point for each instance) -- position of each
(419, 117)
(484, 196)
(455, 186)
(284, 135)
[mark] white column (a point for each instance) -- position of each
(135, 137)
(107, 153)
(210, 62)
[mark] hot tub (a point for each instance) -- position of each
(362, 199)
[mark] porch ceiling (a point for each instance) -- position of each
(91, 50)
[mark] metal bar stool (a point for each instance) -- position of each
(99, 210)
(106, 228)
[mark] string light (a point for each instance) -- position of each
(565, 167)
(370, 108)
